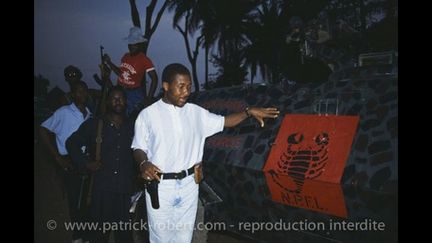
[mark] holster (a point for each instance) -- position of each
(198, 173)
(152, 189)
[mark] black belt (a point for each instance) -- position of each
(180, 175)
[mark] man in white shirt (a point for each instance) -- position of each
(63, 123)
(168, 143)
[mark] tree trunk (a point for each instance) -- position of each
(149, 27)
(195, 76)
(135, 14)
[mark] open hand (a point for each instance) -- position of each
(260, 113)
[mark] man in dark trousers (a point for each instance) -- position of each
(113, 175)
(63, 123)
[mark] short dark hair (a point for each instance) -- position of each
(116, 88)
(172, 70)
(76, 84)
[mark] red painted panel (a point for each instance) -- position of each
(306, 163)
(317, 196)
(312, 146)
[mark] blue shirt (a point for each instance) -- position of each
(63, 123)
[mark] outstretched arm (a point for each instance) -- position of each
(257, 112)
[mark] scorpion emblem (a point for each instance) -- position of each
(303, 162)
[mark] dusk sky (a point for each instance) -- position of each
(70, 33)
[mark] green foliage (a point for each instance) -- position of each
(251, 35)
(230, 72)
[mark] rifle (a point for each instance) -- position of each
(87, 181)
(105, 86)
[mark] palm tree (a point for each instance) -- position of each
(268, 51)
(221, 27)
(225, 28)
(189, 10)
(266, 33)
(192, 55)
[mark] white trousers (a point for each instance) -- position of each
(174, 220)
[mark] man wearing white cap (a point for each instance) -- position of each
(131, 73)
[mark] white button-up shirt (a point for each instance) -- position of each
(65, 121)
(173, 137)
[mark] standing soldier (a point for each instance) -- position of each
(63, 123)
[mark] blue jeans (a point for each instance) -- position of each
(174, 221)
(133, 97)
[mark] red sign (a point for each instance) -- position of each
(310, 149)
(315, 195)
